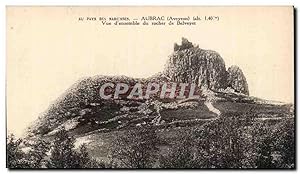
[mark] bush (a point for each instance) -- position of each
(15, 156)
(228, 142)
(135, 149)
(232, 142)
(179, 155)
(62, 153)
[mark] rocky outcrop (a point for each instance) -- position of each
(206, 68)
(185, 44)
(191, 64)
(237, 80)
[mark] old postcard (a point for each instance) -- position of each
(150, 87)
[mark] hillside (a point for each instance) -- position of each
(224, 96)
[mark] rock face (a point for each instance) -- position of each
(192, 64)
(237, 80)
(206, 68)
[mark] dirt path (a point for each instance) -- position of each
(211, 108)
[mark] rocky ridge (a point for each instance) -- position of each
(81, 110)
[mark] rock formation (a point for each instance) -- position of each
(237, 80)
(192, 64)
(206, 68)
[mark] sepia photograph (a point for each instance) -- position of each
(150, 87)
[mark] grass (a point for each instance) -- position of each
(256, 110)
(200, 112)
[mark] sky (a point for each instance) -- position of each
(48, 50)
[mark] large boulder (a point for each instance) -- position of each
(191, 64)
(237, 80)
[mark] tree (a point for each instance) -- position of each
(62, 153)
(275, 145)
(83, 156)
(180, 155)
(15, 155)
(135, 149)
(37, 153)
(286, 144)
(224, 143)
(85, 161)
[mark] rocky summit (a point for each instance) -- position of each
(206, 68)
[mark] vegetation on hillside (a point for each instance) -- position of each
(228, 142)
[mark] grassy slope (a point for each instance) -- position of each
(99, 142)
